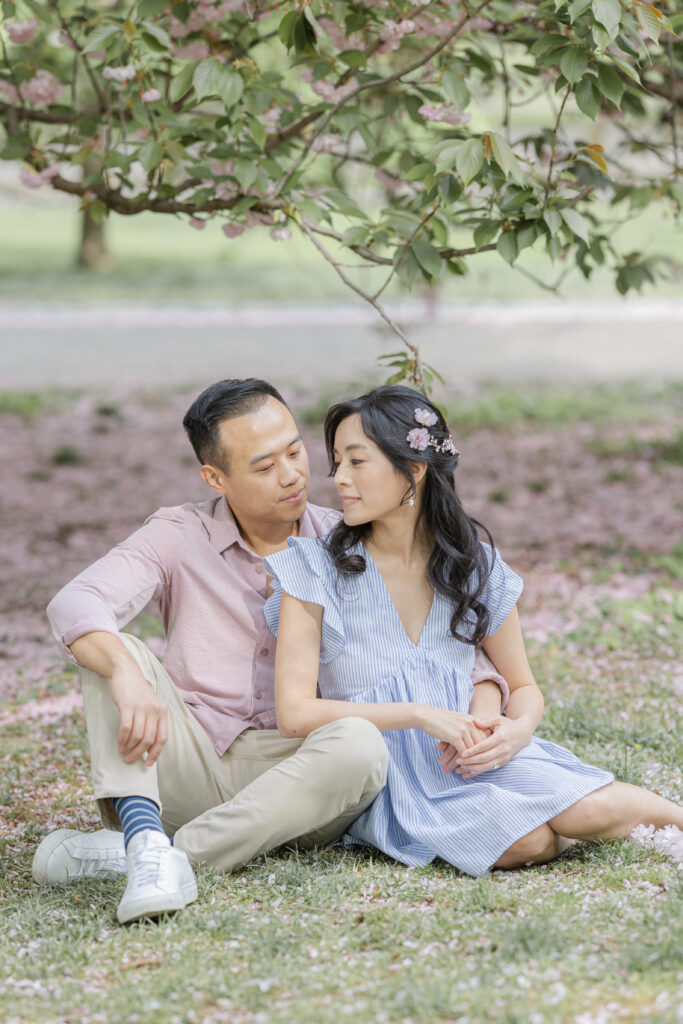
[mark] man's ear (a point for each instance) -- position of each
(213, 477)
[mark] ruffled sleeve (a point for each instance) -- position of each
(305, 571)
(502, 589)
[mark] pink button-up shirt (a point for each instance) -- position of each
(211, 588)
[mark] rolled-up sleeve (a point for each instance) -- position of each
(485, 671)
(111, 592)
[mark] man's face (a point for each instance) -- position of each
(268, 476)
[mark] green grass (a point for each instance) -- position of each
(331, 935)
(159, 257)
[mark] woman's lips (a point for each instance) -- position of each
(349, 501)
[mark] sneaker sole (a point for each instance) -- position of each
(45, 850)
(155, 906)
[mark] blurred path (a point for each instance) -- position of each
(171, 345)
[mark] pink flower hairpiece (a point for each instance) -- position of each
(420, 439)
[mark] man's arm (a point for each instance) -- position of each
(144, 716)
(88, 612)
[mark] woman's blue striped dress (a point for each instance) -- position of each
(366, 656)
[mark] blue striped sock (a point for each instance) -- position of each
(136, 814)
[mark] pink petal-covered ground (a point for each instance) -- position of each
(546, 496)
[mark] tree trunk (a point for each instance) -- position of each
(92, 252)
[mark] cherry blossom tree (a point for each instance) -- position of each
(392, 134)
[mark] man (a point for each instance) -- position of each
(190, 749)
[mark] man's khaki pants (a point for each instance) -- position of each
(263, 792)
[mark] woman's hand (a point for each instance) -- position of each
(449, 756)
(508, 737)
(450, 727)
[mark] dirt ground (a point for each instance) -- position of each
(83, 473)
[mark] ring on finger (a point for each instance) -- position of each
(495, 765)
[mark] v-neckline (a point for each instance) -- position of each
(385, 588)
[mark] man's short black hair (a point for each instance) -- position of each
(221, 401)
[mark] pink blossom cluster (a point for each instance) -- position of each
(41, 90)
(22, 31)
(36, 179)
(193, 51)
(393, 32)
(418, 438)
(280, 234)
(329, 92)
(432, 25)
(123, 74)
(335, 32)
(221, 166)
(197, 223)
(326, 143)
(150, 96)
(204, 13)
(450, 114)
(252, 219)
(667, 840)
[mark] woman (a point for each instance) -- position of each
(383, 616)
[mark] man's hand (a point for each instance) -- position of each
(144, 716)
(508, 737)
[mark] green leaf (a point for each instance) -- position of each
(230, 87)
(355, 235)
(625, 67)
(526, 234)
(652, 23)
(182, 81)
(608, 14)
(150, 154)
(207, 76)
(576, 9)
(40, 10)
(245, 171)
(160, 34)
(485, 232)
(353, 58)
(285, 29)
(575, 222)
(553, 220)
(258, 133)
(468, 159)
(146, 8)
(573, 63)
(455, 88)
(449, 187)
(18, 146)
(505, 158)
(97, 39)
(408, 269)
(447, 155)
(418, 171)
(507, 247)
(588, 97)
(428, 257)
(610, 84)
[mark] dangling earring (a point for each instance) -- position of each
(411, 501)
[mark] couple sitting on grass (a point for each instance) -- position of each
(379, 717)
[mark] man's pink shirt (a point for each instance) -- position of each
(211, 589)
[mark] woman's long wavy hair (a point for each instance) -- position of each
(458, 567)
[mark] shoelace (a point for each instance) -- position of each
(148, 866)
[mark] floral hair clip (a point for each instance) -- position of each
(420, 439)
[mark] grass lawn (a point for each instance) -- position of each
(157, 258)
(594, 938)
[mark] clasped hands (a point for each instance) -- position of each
(471, 746)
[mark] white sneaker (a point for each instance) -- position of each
(160, 879)
(67, 856)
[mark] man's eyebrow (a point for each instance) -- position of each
(270, 455)
(349, 448)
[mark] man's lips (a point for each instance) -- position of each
(295, 498)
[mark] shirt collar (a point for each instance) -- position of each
(223, 531)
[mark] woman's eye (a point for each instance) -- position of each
(357, 462)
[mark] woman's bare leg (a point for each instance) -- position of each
(614, 811)
(537, 847)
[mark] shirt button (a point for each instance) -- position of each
(265, 652)
(258, 696)
(259, 570)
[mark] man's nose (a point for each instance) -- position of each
(289, 474)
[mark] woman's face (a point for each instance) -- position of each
(368, 484)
